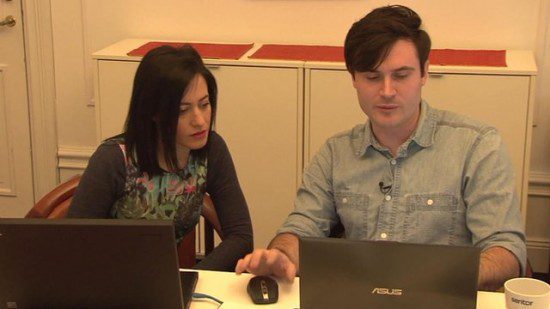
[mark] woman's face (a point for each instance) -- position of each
(194, 117)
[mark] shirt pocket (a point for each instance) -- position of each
(431, 218)
(352, 210)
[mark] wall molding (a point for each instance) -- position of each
(78, 156)
(37, 28)
(74, 157)
(538, 243)
(7, 181)
(539, 184)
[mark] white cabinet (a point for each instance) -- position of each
(275, 115)
(113, 92)
(259, 115)
(501, 97)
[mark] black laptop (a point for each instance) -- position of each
(90, 263)
(341, 273)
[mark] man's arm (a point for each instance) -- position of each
(496, 265)
(493, 215)
(279, 260)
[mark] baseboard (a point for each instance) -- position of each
(539, 184)
(538, 251)
(538, 243)
(83, 153)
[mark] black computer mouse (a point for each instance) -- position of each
(263, 290)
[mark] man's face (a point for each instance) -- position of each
(390, 95)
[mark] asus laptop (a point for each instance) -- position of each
(90, 263)
(341, 273)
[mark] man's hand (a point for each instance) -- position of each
(270, 262)
(279, 260)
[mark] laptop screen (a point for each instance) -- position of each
(337, 272)
(88, 263)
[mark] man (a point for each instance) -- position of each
(411, 173)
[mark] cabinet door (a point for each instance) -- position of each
(498, 100)
(332, 107)
(259, 116)
(501, 101)
(115, 81)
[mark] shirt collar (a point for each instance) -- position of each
(362, 137)
(424, 134)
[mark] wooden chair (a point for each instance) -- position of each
(187, 247)
(55, 204)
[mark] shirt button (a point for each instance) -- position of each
(383, 235)
(393, 162)
(388, 197)
(344, 200)
(430, 202)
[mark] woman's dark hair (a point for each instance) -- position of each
(159, 84)
(370, 39)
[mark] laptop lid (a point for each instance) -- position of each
(341, 273)
(88, 263)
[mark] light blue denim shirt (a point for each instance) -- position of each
(451, 183)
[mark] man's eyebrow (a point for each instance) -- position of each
(201, 99)
(400, 69)
(404, 68)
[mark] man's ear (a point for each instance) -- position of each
(425, 76)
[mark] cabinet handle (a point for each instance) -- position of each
(436, 75)
(212, 66)
(9, 21)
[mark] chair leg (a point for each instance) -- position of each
(208, 237)
(187, 253)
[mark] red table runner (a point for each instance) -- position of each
(487, 58)
(300, 52)
(495, 58)
(206, 50)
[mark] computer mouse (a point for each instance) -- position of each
(263, 290)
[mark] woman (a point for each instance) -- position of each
(168, 157)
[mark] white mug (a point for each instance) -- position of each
(527, 293)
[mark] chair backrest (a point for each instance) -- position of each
(55, 204)
(187, 247)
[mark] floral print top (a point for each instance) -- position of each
(110, 187)
(174, 196)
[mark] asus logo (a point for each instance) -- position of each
(385, 291)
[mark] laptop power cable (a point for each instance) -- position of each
(206, 296)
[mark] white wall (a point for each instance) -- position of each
(83, 26)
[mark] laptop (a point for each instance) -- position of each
(341, 273)
(90, 263)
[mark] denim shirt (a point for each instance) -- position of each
(452, 182)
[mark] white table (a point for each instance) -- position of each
(231, 289)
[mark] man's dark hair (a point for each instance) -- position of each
(159, 84)
(370, 39)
